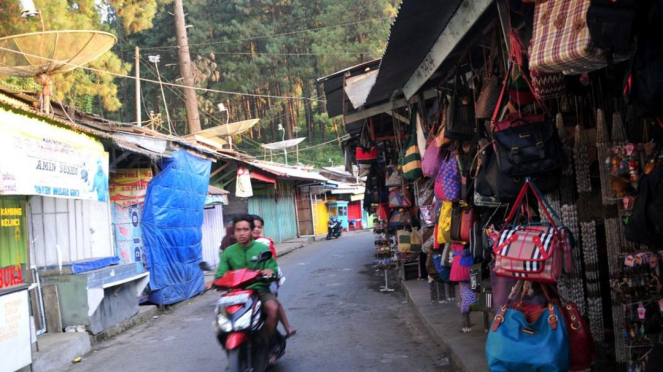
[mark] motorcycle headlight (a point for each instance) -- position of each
(223, 323)
(244, 322)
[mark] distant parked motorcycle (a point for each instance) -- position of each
(334, 228)
(239, 320)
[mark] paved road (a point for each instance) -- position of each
(332, 297)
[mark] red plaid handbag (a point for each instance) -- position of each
(561, 41)
(529, 252)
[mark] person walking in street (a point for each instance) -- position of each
(229, 239)
(259, 224)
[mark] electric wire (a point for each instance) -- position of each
(157, 82)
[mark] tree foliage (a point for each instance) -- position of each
(266, 47)
(80, 87)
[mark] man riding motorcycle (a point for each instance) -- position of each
(244, 254)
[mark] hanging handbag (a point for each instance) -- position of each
(547, 85)
(460, 115)
(529, 252)
(443, 271)
(404, 241)
(383, 212)
(525, 145)
(456, 217)
(427, 238)
(467, 219)
(490, 86)
(583, 350)
(432, 160)
(399, 197)
(430, 265)
(366, 152)
(444, 223)
(561, 40)
(448, 182)
(514, 344)
(393, 176)
(410, 159)
(424, 191)
(460, 268)
(399, 218)
(427, 213)
(493, 188)
(416, 241)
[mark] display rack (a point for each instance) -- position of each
(384, 251)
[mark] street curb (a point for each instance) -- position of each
(145, 314)
(455, 359)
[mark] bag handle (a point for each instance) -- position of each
(519, 201)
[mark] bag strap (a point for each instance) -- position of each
(519, 201)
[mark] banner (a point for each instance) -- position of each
(128, 233)
(13, 242)
(37, 158)
(128, 186)
(15, 346)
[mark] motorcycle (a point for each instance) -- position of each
(239, 320)
(334, 228)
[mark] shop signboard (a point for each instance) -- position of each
(37, 158)
(13, 242)
(129, 186)
(15, 344)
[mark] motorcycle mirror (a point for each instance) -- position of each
(204, 266)
(264, 256)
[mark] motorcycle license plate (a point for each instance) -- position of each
(234, 299)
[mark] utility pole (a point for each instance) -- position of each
(138, 112)
(184, 59)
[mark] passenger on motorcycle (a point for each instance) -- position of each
(259, 223)
(244, 254)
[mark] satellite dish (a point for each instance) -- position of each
(42, 54)
(283, 144)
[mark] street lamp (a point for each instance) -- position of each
(285, 154)
(222, 108)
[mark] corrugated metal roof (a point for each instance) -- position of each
(416, 29)
(333, 85)
(287, 172)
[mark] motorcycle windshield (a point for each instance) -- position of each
(237, 278)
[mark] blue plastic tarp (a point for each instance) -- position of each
(172, 233)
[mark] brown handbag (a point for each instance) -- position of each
(456, 221)
(468, 217)
(490, 87)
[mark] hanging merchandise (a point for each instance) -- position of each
(530, 251)
(399, 218)
(410, 159)
(514, 344)
(525, 146)
(427, 237)
(444, 223)
(399, 197)
(448, 182)
(561, 40)
(582, 352)
(644, 83)
(366, 152)
(433, 159)
(490, 86)
(490, 182)
(460, 115)
(393, 176)
(547, 85)
(404, 239)
(243, 187)
(462, 261)
(462, 219)
(646, 222)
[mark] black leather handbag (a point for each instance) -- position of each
(460, 114)
(491, 182)
(527, 148)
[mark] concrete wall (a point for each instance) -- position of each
(235, 205)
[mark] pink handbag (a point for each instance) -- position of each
(459, 273)
(432, 161)
(529, 252)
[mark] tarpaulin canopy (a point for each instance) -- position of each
(172, 233)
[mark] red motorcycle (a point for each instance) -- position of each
(239, 319)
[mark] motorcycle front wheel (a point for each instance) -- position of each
(237, 360)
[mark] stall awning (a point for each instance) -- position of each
(263, 177)
(423, 35)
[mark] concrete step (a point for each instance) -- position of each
(56, 350)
